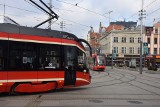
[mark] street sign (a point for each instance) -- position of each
(145, 48)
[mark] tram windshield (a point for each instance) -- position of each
(101, 60)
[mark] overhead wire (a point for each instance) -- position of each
(76, 5)
(39, 13)
(83, 8)
(143, 8)
(76, 22)
(19, 8)
(73, 22)
(154, 20)
(153, 12)
(34, 6)
(150, 4)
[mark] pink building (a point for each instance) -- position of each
(152, 37)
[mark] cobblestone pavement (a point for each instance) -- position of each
(121, 88)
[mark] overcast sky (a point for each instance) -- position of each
(79, 15)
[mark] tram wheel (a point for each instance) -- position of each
(12, 90)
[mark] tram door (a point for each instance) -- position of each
(70, 65)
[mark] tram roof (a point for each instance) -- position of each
(10, 28)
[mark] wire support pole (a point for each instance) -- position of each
(4, 12)
(50, 21)
(142, 13)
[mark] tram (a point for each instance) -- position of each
(39, 60)
(97, 62)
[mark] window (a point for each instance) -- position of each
(149, 51)
(156, 31)
(3, 55)
(70, 56)
(138, 50)
(139, 40)
(155, 50)
(96, 41)
(123, 50)
(31, 56)
(123, 39)
(81, 60)
(148, 31)
(1, 58)
(50, 57)
(22, 56)
(131, 39)
(155, 40)
(115, 39)
(148, 40)
(115, 49)
(101, 60)
(131, 50)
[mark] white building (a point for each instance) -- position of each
(125, 43)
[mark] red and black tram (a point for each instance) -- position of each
(97, 62)
(38, 60)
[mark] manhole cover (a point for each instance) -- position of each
(95, 101)
(135, 102)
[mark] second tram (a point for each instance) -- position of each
(97, 62)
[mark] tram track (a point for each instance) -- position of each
(32, 102)
(140, 78)
(106, 83)
(129, 80)
(137, 77)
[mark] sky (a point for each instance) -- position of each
(79, 16)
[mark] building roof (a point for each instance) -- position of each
(157, 24)
(94, 34)
(114, 27)
(125, 24)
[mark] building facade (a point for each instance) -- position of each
(152, 37)
(94, 41)
(123, 40)
(124, 43)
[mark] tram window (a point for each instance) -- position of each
(31, 56)
(81, 60)
(49, 63)
(29, 60)
(70, 56)
(22, 56)
(50, 57)
(1, 62)
(3, 55)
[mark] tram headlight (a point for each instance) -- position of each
(85, 70)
